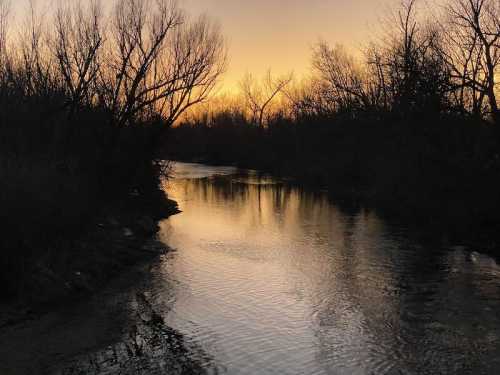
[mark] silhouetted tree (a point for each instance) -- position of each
(260, 96)
(342, 78)
(76, 44)
(33, 68)
(408, 73)
(4, 18)
(310, 99)
(158, 62)
(472, 52)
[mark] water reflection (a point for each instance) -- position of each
(270, 278)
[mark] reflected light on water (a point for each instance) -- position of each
(269, 278)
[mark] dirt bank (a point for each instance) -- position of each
(122, 235)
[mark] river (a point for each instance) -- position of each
(268, 278)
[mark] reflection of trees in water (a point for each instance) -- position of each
(393, 307)
(380, 301)
(353, 304)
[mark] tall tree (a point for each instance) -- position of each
(76, 44)
(158, 62)
(472, 51)
(259, 97)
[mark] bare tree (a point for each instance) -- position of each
(195, 61)
(342, 77)
(310, 98)
(377, 75)
(406, 73)
(34, 67)
(472, 51)
(462, 54)
(158, 62)
(4, 16)
(260, 96)
(139, 32)
(76, 43)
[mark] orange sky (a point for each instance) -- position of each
(278, 34)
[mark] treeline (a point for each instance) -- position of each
(412, 126)
(85, 96)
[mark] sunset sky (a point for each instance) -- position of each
(278, 34)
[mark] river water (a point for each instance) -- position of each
(268, 278)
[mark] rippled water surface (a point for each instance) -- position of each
(267, 278)
(270, 279)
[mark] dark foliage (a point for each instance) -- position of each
(82, 109)
(439, 169)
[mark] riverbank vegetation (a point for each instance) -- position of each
(85, 96)
(411, 126)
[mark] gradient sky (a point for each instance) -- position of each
(279, 34)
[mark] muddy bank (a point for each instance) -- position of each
(149, 347)
(89, 312)
(123, 234)
(118, 330)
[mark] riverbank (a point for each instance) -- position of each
(121, 235)
(118, 329)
